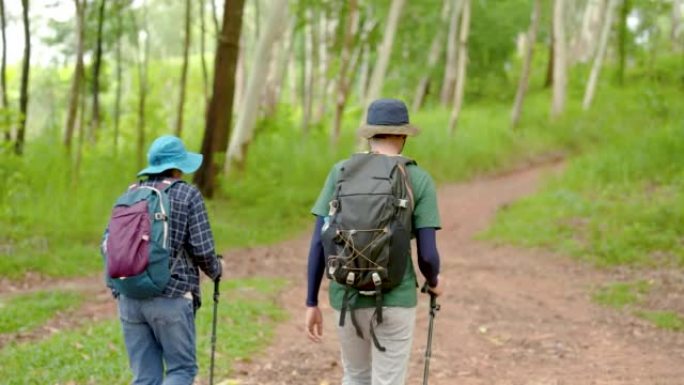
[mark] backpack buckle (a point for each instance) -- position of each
(159, 217)
(377, 281)
(351, 277)
(403, 203)
(334, 205)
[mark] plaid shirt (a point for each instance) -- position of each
(191, 240)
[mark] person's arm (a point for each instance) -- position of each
(201, 239)
(428, 256)
(315, 269)
(316, 264)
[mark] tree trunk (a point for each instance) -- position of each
(95, 118)
(527, 64)
(550, 63)
(600, 54)
(240, 75)
(384, 54)
(80, 135)
(462, 62)
(310, 66)
(184, 69)
(591, 23)
(75, 93)
(3, 72)
(324, 82)
(143, 62)
(244, 129)
(23, 95)
(220, 109)
(622, 40)
(676, 31)
(214, 16)
(203, 48)
(276, 72)
(450, 68)
(433, 58)
(119, 79)
(343, 80)
(559, 62)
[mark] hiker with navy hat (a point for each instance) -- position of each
(157, 240)
(369, 209)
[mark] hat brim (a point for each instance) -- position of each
(187, 165)
(370, 130)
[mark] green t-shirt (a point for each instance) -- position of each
(425, 215)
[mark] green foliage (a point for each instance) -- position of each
(96, 353)
(620, 203)
(664, 319)
(23, 312)
(620, 294)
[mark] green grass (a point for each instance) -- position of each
(664, 319)
(95, 354)
(618, 204)
(620, 294)
(23, 312)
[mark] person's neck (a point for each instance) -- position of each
(385, 149)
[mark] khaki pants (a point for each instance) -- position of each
(362, 362)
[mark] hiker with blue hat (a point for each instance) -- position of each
(369, 209)
(157, 240)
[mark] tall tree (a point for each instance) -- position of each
(244, 129)
(23, 95)
(384, 53)
(203, 48)
(461, 67)
(79, 71)
(598, 60)
(3, 70)
(559, 58)
(527, 63)
(220, 109)
(184, 68)
(622, 39)
(119, 77)
(433, 58)
(585, 46)
(676, 30)
(450, 68)
(95, 118)
(143, 65)
(343, 81)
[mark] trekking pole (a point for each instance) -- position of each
(213, 330)
(434, 308)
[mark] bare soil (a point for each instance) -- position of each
(509, 316)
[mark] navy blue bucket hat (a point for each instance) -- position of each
(389, 117)
(168, 152)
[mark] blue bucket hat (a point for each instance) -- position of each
(387, 116)
(168, 152)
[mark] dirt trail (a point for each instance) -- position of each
(510, 316)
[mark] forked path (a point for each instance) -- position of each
(509, 316)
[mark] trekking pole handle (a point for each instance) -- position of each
(434, 306)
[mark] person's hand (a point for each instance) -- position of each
(219, 257)
(314, 323)
(437, 290)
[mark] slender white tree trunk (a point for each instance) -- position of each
(461, 66)
(450, 68)
(384, 53)
(527, 64)
(559, 59)
(600, 54)
(240, 75)
(244, 129)
(591, 23)
(676, 31)
(433, 57)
